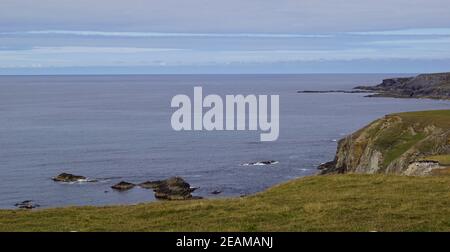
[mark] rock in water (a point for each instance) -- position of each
(151, 184)
(216, 192)
(268, 162)
(67, 177)
(27, 204)
(123, 186)
(265, 162)
(330, 167)
(174, 188)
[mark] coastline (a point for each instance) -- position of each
(434, 86)
(82, 139)
(310, 203)
(204, 192)
(348, 202)
(430, 86)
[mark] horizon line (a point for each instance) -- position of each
(137, 74)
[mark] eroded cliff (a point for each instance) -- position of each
(414, 143)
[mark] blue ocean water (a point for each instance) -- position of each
(114, 128)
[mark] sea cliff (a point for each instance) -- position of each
(414, 143)
(434, 86)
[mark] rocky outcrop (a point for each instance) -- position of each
(123, 186)
(151, 184)
(27, 204)
(174, 188)
(396, 144)
(435, 86)
(215, 192)
(422, 167)
(67, 177)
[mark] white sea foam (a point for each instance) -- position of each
(260, 163)
(82, 181)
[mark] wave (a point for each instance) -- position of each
(82, 181)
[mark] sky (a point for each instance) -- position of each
(232, 36)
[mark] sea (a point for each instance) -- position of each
(113, 128)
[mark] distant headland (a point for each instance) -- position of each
(432, 86)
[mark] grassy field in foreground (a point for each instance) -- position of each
(317, 203)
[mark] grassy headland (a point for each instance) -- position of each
(434, 86)
(398, 144)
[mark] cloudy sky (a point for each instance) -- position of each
(232, 36)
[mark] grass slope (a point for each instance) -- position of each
(439, 118)
(318, 203)
(391, 143)
(399, 139)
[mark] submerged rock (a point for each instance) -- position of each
(174, 188)
(123, 186)
(269, 162)
(67, 177)
(216, 192)
(27, 204)
(265, 162)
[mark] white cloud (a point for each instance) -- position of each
(97, 49)
(76, 56)
(406, 42)
(167, 34)
(408, 32)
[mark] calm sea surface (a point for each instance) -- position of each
(114, 128)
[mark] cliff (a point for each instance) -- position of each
(414, 143)
(435, 86)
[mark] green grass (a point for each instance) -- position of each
(407, 131)
(442, 159)
(403, 143)
(439, 118)
(318, 203)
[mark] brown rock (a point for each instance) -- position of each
(67, 177)
(27, 204)
(151, 184)
(174, 188)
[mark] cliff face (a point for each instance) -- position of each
(404, 143)
(436, 86)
